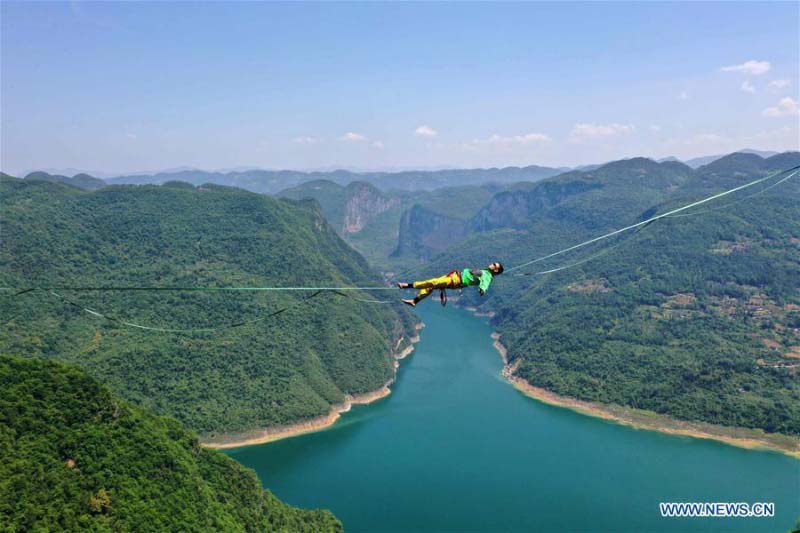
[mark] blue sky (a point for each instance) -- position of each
(119, 87)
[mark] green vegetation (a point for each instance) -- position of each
(698, 329)
(694, 317)
(291, 367)
(373, 221)
(81, 181)
(75, 458)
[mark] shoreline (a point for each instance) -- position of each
(274, 433)
(648, 420)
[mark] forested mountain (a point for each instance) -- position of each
(697, 317)
(269, 370)
(600, 195)
(82, 181)
(273, 181)
(76, 458)
(374, 222)
(698, 162)
(424, 232)
(347, 208)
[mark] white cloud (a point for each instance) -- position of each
(752, 67)
(781, 139)
(779, 84)
(131, 136)
(697, 144)
(655, 128)
(353, 137)
(684, 95)
(499, 140)
(704, 143)
(786, 108)
(708, 138)
(585, 131)
(425, 131)
(748, 87)
(307, 140)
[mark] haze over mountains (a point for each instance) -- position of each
(697, 162)
(274, 181)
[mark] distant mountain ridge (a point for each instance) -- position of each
(273, 181)
(81, 181)
(698, 162)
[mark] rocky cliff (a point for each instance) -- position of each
(364, 202)
(424, 233)
(514, 208)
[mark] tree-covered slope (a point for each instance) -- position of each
(76, 458)
(269, 371)
(82, 181)
(376, 223)
(695, 317)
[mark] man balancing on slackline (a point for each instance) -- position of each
(453, 280)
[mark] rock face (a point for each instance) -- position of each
(513, 209)
(423, 233)
(364, 202)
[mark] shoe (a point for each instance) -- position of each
(401, 285)
(412, 303)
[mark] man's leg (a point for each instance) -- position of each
(426, 287)
(421, 295)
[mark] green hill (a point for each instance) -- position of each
(374, 222)
(82, 181)
(695, 317)
(270, 371)
(76, 458)
(692, 318)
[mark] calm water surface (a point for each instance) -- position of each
(455, 448)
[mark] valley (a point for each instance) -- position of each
(688, 327)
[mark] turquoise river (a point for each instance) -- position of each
(456, 448)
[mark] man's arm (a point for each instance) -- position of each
(486, 280)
